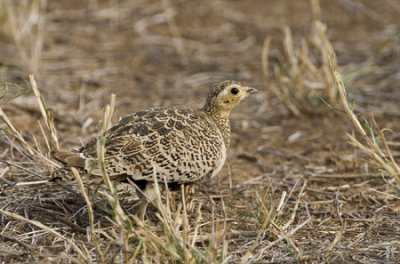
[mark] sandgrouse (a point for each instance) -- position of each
(176, 144)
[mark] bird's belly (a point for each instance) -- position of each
(182, 158)
(220, 162)
(189, 166)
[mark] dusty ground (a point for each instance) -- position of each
(152, 53)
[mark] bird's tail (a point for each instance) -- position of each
(70, 158)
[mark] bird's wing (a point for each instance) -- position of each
(144, 126)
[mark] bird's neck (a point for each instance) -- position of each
(221, 118)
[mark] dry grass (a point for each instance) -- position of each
(302, 80)
(292, 191)
(177, 234)
(26, 26)
(374, 143)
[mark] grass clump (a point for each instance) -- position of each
(25, 23)
(303, 81)
(373, 141)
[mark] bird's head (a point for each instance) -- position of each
(225, 95)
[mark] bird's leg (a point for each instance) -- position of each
(146, 197)
(189, 190)
(142, 206)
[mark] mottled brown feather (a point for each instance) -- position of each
(178, 144)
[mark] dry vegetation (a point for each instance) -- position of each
(307, 179)
(302, 80)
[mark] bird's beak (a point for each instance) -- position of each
(251, 90)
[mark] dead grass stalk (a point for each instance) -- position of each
(374, 142)
(26, 24)
(303, 82)
(47, 229)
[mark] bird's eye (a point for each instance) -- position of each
(234, 90)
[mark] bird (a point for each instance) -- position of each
(177, 144)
